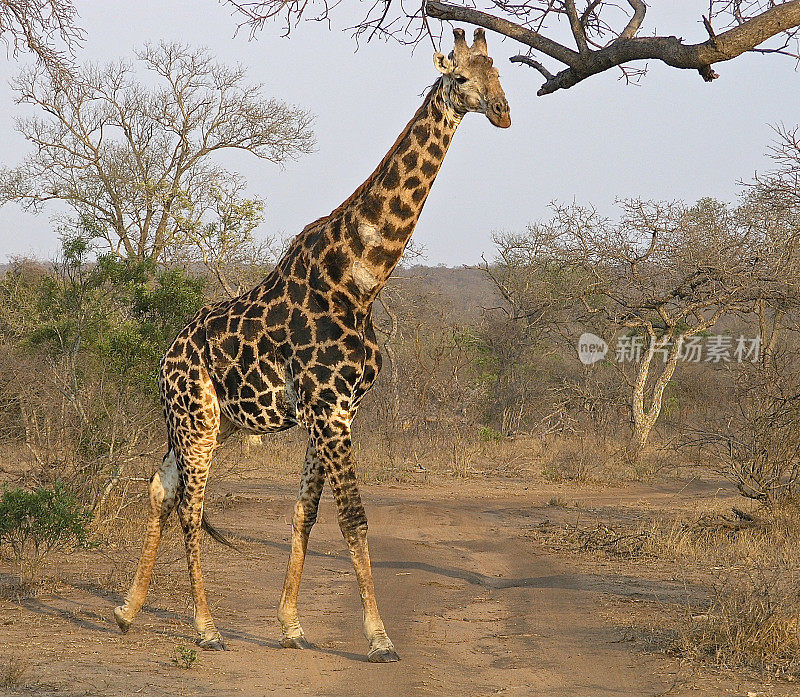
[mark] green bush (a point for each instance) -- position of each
(489, 435)
(80, 345)
(35, 523)
(184, 657)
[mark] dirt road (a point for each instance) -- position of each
(474, 603)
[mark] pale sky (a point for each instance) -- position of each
(672, 137)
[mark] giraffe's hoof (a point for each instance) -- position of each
(123, 622)
(383, 656)
(297, 642)
(212, 643)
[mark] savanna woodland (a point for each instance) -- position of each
(581, 458)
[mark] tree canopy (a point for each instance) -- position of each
(134, 160)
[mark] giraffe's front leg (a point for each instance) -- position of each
(381, 649)
(305, 515)
(334, 448)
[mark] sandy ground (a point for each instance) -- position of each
(475, 603)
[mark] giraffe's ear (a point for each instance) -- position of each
(443, 64)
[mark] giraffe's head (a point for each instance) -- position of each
(472, 83)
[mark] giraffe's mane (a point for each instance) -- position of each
(360, 190)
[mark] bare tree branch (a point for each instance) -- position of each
(605, 33)
(527, 60)
(669, 49)
(639, 10)
(578, 29)
(535, 40)
(46, 28)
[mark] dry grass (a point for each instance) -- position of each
(751, 618)
(387, 454)
(599, 459)
(750, 622)
(578, 461)
(743, 572)
(12, 673)
(409, 458)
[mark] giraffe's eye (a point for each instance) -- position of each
(460, 79)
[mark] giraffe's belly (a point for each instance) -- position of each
(264, 415)
(255, 406)
(251, 388)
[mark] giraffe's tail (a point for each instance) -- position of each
(216, 534)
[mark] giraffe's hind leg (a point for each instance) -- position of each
(305, 515)
(164, 486)
(195, 461)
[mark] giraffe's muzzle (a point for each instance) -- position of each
(499, 113)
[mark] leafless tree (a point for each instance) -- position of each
(603, 34)
(135, 163)
(663, 274)
(46, 28)
(755, 442)
(538, 292)
(388, 325)
(779, 187)
(772, 202)
(537, 289)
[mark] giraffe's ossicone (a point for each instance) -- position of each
(299, 349)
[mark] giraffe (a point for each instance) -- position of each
(300, 349)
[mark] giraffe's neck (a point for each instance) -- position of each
(359, 244)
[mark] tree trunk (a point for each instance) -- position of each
(645, 418)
